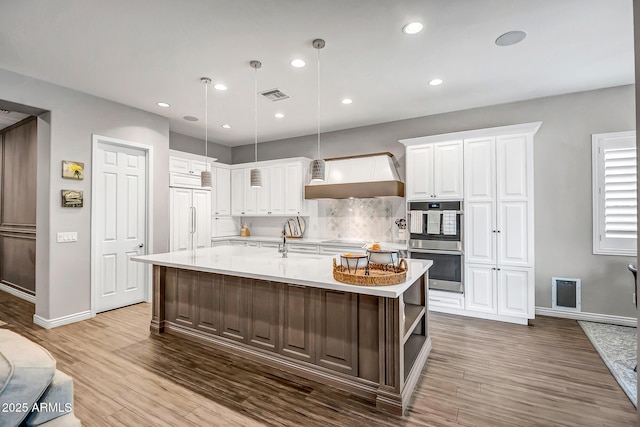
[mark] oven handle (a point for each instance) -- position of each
(432, 251)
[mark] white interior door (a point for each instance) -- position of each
(121, 215)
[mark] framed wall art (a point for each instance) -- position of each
(72, 170)
(72, 199)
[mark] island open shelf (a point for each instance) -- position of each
(291, 314)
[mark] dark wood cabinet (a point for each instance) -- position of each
(297, 335)
(336, 315)
(208, 318)
(234, 299)
(263, 315)
(185, 293)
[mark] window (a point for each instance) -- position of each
(614, 193)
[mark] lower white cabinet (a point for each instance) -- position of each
(499, 290)
(190, 223)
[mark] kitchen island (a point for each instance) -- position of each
(290, 313)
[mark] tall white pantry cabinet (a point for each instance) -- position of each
(491, 171)
(498, 212)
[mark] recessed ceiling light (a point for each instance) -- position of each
(279, 115)
(190, 118)
(347, 101)
(226, 126)
(164, 104)
(298, 63)
(511, 38)
(412, 28)
(219, 86)
(435, 82)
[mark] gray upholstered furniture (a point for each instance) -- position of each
(32, 392)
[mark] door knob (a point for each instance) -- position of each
(141, 245)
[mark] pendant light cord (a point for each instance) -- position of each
(318, 103)
(255, 114)
(206, 119)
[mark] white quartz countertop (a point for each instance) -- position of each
(315, 270)
(313, 241)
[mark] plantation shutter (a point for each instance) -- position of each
(616, 195)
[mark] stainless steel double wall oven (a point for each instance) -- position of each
(437, 234)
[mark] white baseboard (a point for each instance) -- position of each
(64, 320)
(22, 295)
(589, 317)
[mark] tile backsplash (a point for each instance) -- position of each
(361, 219)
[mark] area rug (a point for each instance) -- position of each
(616, 345)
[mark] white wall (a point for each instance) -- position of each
(562, 169)
(63, 270)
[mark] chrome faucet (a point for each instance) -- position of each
(282, 247)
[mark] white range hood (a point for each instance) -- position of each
(365, 176)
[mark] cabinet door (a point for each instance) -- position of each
(263, 194)
(185, 297)
(223, 191)
(296, 314)
(202, 215)
(198, 166)
(263, 315)
(293, 189)
(208, 302)
(276, 190)
(447, 170)
(180, 223)
(480, 288)
(420, 172)
(480, 232)
(515, 292)
(248, 194)
(237, 195)
(234, 298)
(179, 165)
(336, 316)
(479, 170)
(514, 156)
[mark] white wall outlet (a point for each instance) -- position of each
(69, 236)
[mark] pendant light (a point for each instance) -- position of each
(317, 166)
(205, 176)
(256, 176)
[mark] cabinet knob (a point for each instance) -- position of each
(498, 231)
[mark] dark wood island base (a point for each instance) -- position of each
(372, 346)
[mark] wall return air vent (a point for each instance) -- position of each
(274, 95)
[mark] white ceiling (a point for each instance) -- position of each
(144, 51)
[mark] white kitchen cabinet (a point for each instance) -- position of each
(243, 196)
(281, 194)
(498, 215)
(221, 191)
(190, 222)
(435, 171)
(222, 226)
(270, 197)
(186, 166)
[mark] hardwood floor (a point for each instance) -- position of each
(479, 373)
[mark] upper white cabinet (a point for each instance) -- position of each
(435, 171)
(281, 194)
(186, 165)
(221, 191)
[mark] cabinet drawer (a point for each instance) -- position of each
(269, 245)
(179, 165)
(310, 249)
(188, 181)
(253, 244)
(445, 299)
(238, 243)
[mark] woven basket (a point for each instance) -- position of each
(378, 276)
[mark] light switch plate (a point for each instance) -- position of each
(67, 237)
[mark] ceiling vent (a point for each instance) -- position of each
(274, 95)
